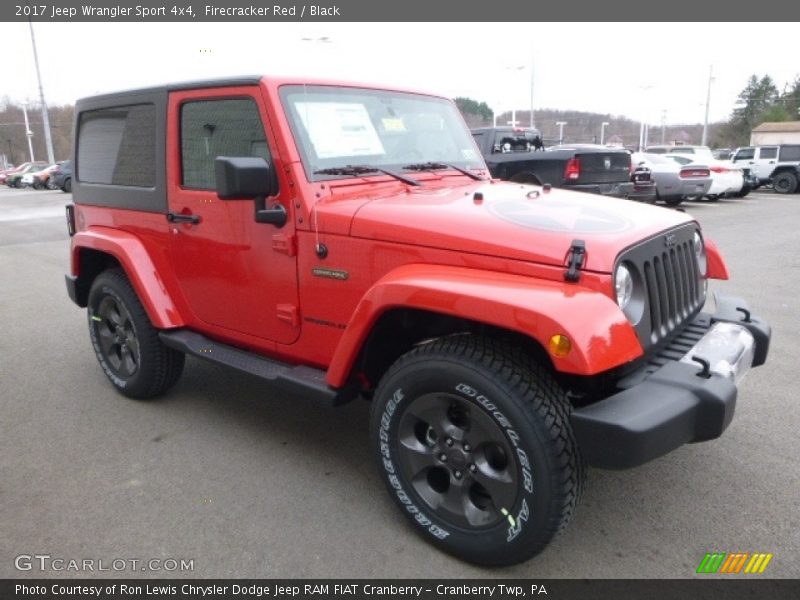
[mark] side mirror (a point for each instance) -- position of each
(243, 177)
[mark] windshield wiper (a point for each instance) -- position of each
(363, 170)
(437, 166)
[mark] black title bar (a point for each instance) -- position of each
(406, 10)
(397, 589)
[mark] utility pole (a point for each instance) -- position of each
(45, 117)
(708, 101)
(663, 125)
(603, 126)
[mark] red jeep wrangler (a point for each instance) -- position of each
(341, 240)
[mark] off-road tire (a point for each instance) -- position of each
(516, 418)
(785, 183)
(127, 345)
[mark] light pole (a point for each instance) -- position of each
(532, 121)
(513, 121)
(708, 102)
(48, 140)
(561, 131)
(644, 88)
(603, 126)
(28, 132)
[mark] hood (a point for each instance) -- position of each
(521, 222)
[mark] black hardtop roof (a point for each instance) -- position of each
(171, 87)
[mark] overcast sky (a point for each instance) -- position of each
(632, 69)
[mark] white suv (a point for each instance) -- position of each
(771, 164)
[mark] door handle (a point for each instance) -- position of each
(180, 218)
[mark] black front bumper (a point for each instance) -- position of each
(667, 407)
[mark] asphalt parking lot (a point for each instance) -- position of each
(249, 483)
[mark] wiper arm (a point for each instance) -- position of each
(363, 170)
(437, 166)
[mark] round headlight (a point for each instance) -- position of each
(700, 254)
(623, 285)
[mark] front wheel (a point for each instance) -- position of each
(127, 346)
(475, 446)
(785, 183)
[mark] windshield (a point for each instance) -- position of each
(338, 127)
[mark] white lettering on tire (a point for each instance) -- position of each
(394, 481)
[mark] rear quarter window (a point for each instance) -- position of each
(116, 146)
(790, 153)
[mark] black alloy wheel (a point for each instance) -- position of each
(458, 460)
(125, 342)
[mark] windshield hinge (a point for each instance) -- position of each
(575, 258)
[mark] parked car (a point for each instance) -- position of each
(5, 173)
(14, 179)
(674, 182)
(62, 178)
(726, 179)
(38, 180)
(703, 152)
(776, 165)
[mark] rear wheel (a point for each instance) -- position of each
(127, 346)
(474, 445)
(785, 183)
(673, 201)
(67, 186)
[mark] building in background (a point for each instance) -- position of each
(785, 132)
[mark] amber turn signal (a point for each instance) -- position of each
(560, 345)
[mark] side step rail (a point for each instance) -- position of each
(296, 379)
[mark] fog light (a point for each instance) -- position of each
(728, 348)
(560, 345)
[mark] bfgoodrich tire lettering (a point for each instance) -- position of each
(474, 444)
(126, 343)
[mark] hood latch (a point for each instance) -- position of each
(575, 258)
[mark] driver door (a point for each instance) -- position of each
(235, 274)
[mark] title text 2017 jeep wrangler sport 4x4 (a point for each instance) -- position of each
(341, 240)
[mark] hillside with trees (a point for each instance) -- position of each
(760, 101)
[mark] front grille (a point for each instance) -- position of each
(672, 289)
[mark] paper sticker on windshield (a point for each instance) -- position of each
(339, 129)
(393, 124)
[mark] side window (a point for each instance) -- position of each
(790, 153)
(211, 128)
(745, 154)
(117, 146)
(768, 152)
